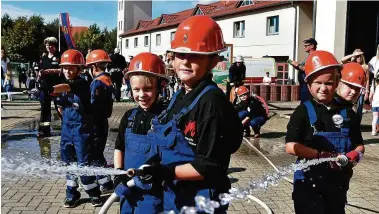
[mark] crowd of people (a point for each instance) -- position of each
(184, 129)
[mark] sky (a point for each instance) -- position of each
(85, 13)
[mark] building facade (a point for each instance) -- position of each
(128, 15)
(256, 29)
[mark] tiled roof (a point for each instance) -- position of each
(78, 30)
(214, 10)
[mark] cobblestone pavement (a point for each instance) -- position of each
(33, 195)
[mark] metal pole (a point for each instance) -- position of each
(59, 33)
(314, 18)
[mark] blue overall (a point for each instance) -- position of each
(102, 102)
(256, 123)
(175, 150)
(322, 189)
(138, 150)
(77, 131)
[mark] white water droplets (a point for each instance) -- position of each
(47, 168)
(239, 193)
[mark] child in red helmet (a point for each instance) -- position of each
(102, 106)
(77, 126)
(133, 147)
(321, 128)
(200, 129)
(251, 112)
(351, 88)
(353, 81)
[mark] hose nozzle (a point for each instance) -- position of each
(132, 172)
(342, 160)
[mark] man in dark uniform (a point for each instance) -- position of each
(117, 66)
(310, 45)
(49, 60)
(237, 73)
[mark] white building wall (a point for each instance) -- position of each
(255, 44)
(129, 13)
(153, 48)
(331, 26)
(120, 17)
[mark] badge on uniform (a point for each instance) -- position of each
(338, 120)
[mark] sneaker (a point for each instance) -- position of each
(374, 133)
(70, 202)
(96, 202)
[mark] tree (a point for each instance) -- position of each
(92, 38)
(23, 37)
(51, 29)
(6, 23)
(110, 38)
(19, 39)
(39, 33)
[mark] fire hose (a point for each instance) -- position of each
(131, 173)
(12, 93)
(342, 159)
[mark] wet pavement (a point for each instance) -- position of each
(24, 194)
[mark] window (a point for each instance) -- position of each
(273, 25)
(247, 2)
(127, 43)
(135, 42)
(199, 12)
(172, 35)
(119, 6)
(121, 26)
(146, 41)
(239, 29)
(122, 5)
(282, 73)
(163, 21)
(158, 40)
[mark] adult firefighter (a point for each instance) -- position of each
(117, 66)
(48, 77)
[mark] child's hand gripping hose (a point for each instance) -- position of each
(123, 190)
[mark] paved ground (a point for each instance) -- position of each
(33, 195)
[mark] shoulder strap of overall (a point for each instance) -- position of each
(311, 113)
(345, 129)
(185, 110)
(164, 112)
(131, 118)
(173, 99)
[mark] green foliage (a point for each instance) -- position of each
(23, 37)
(18, 39)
